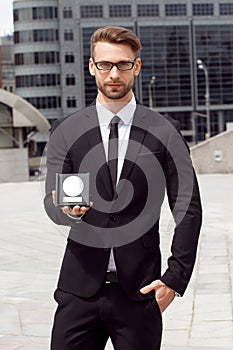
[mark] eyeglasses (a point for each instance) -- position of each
(105, 65)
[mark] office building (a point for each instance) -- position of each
(52, 51)
(7, 78)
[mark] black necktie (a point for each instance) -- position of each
(113, 150)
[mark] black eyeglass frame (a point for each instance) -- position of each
(114, 65)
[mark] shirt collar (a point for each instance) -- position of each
(125, 114)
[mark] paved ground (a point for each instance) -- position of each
(32, 247)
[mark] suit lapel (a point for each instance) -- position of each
(94, 139)
(138, 130)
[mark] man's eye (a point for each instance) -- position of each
(123, 64)
(104, 64)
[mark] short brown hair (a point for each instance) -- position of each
(116, 35)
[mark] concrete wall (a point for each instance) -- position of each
(214, 155)
(14, 165)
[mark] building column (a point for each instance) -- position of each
(221, 123)
(20, 137)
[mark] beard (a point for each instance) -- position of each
(115, 94)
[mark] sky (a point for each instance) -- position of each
(6, 17)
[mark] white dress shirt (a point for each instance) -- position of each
(105, 116)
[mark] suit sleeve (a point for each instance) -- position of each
(185, 204)
(58, 161)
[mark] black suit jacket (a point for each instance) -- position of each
(157, 159)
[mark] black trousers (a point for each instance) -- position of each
(86, 324)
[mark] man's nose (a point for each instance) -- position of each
(114, 72)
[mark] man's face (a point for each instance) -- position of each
(114, 84)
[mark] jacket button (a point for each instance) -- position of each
(113, 217)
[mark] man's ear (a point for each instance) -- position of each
(91, 67)
(137, 66)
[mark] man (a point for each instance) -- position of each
(110, 283)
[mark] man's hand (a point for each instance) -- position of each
(163, 294)
(75, 211)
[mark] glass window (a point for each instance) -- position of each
(16, 37)
(69, 57)
(16, 15)
(28, 58)
(148, 10)
(119, 11)
(23, 36)
(37, 58)
(44, 12)
(89, 82)
(68, 35)
(71, 102)
(67, 12)
(70, 79)
(91, 11)
(8, 75)
(49, 13)
(37, 13)
(175, 10)
(50, 57)
(37, 80)
(165, 55)
(226, 9)
(19, 59)
(45, 35)
(45, 102)
(215, 48)
(183, 118)
(24, 14)
(206, 9)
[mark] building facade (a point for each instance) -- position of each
(37, 56)
(52, 52)
(7, 78)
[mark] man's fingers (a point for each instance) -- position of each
(76, 210)
(163, 294)
(66, 210)
(165, 300)
(54, 197)
(149, 287)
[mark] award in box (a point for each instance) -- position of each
(72, 189)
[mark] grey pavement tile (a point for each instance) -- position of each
(9, 319)
(213, 287)
(36, 285)
(214, 277)
(207, 260)
(211, 344)
(212, 308)
(37, 329)
(23, 343)
(175, 338)
(212, 267)
(221, 330)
